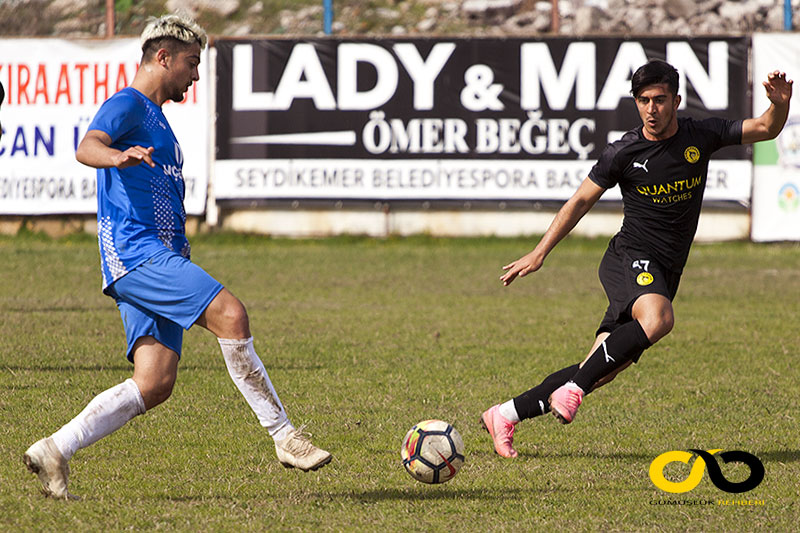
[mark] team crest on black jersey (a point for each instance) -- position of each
(692, 154)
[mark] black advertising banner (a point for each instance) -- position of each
(432, 119)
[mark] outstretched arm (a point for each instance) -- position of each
(95, 151)
(770, 124)
(566, 219)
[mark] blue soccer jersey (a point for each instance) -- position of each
(140, 208)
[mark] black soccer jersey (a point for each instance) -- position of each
(662, 184)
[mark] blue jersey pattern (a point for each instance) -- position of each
(140, 208)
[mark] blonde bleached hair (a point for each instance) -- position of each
(173, 26)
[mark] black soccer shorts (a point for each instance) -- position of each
(627, 274)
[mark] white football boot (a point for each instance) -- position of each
(44, 460)
(297, 451)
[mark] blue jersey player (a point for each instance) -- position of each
(146, 264)
(661, 169)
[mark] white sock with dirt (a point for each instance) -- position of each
(106, 413)
(250, 376)
(509, 411)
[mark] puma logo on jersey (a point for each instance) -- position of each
(643, 166)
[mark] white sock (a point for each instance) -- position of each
(574, 385)
(250, 376)
(106, 413)
(509, 411)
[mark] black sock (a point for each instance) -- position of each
(535, 401)
(620, 347)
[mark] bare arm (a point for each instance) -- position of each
(566, 219)
(770, 124)
(95, 151)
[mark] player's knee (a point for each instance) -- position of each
(156, 390)
(657, 326)
(237, 319)
(665, 323)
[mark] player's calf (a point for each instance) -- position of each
(292, 446)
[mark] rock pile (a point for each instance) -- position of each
(85, 18)
(650, 17)
(575, 17)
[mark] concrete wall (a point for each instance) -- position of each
(380, 221)
(715, 224)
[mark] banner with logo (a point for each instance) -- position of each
(776, 186)
(53, 90)
(509, 119)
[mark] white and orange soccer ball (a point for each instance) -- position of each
(432, 451)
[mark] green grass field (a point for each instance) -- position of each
(362, 339)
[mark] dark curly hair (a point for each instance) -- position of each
(654, 72)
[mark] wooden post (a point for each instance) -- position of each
(110, 19)
(555, 18)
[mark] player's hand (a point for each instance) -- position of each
(133, 156)
(521, 267)
(779, 89)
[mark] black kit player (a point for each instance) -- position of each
(661, 168)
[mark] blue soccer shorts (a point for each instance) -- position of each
(161, 297)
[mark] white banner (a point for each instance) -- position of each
(436, 180)
(53, 90)
(776, 188)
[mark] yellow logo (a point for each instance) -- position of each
(706, 459)
(696, 474)
(645, 278)
(692, 154)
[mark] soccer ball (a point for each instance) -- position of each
(432, 451)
